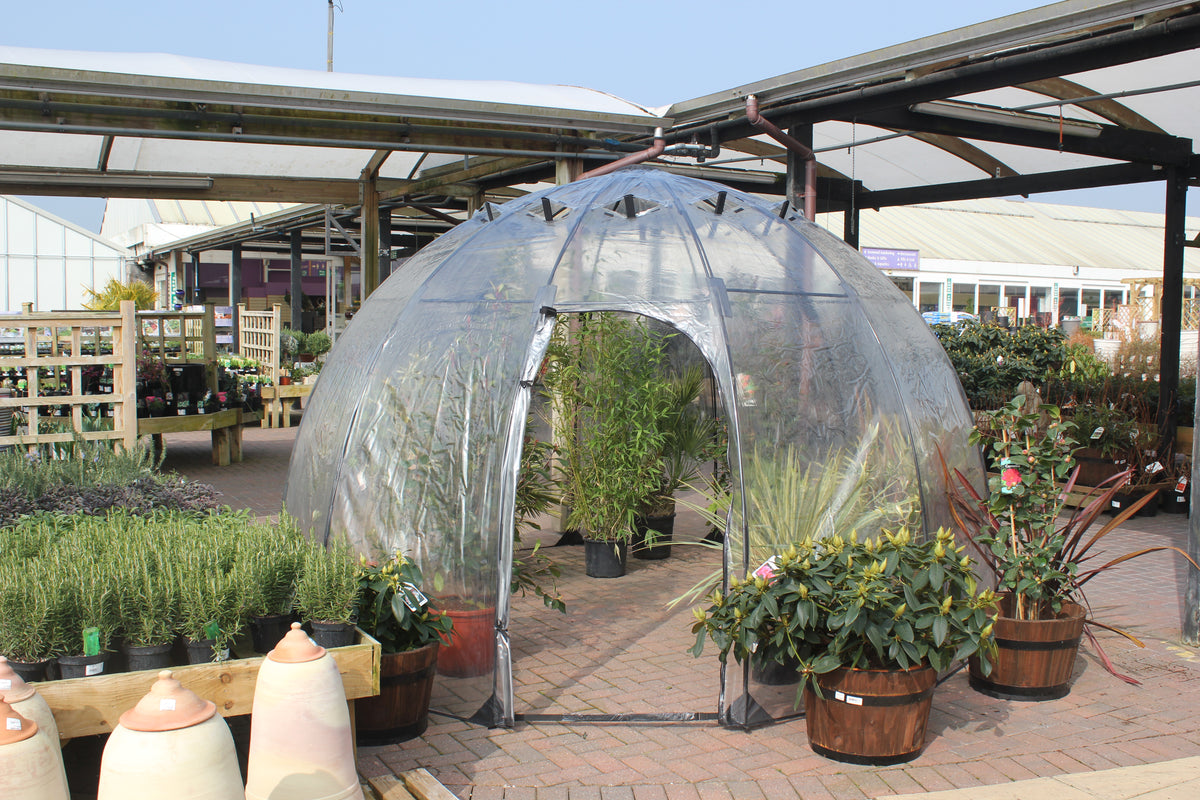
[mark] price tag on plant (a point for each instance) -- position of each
(1154, 468)
(212, 629)
(1096, 434)
(767, 570)
(91, 641)
(1181, 485)
(412, 597)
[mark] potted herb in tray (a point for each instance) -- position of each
(393, 609)
(89, 619)
(874, 620)
(210, 600)
(147, 602)
(270, 560)
(327, 592)
(30, 607)
(1040, 562)
(608, 395)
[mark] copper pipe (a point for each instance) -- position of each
(654, 151)
(796, 146)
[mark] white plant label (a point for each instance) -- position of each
(1096, 434)
(767, 570)
(166, 704)
(848, 698)
(1116, 503)
(1181, 486)
(1154, 468)
(93, 669)
(12, 724)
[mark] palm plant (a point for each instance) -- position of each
(791, 498)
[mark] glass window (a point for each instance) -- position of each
(964, 297)
(989, 296)
(1090, 300)
(931, 297)
(904, 284)
(1068, 303)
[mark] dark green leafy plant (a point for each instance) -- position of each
(1110, 430)
(992, 361)
(884, 603)
(393, 609)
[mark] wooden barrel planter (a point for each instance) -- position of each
(874, 717)
(471, 649)
(401, 709)
(1035, 658)
(1094, 468)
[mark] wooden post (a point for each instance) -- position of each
(369, 213)
(125, 374)
(1172, 306)
(235, 282)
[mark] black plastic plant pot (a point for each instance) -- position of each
(605, 559)
(30, 671)
(155, 656)
(267, 630)
(83, 666)
(332, 634)
(1176, 502)
(660, 548)
(201, 651)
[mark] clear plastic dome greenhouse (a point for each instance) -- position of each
(826, 376)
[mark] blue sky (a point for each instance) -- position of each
(652, 52)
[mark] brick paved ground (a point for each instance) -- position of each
(618, 649)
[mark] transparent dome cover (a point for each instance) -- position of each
(827, 376)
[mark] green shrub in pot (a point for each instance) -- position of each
(840, 602)
(392, 608)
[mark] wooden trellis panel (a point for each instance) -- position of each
(258, 338)
(52, 352)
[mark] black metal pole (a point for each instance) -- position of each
(385, 243)
(235, 289)
(1172, 307)
(296, 273)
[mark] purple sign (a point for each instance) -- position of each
(892, 259)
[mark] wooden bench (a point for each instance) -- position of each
(226, 427)
(278, 402)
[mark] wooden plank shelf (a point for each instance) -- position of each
(90, 706)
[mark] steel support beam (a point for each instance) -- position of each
(296, 272)
(1112, 142)
(1058, 181)
(1005, 69)
(385, 244)
(1172, 307)
(235, 289)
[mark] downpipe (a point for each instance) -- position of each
(654, 151)
(796, 146)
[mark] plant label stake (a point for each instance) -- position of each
(91, 641)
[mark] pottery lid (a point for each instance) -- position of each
(15, 728)
(168, 707)
(296, 648)
(13, 689)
